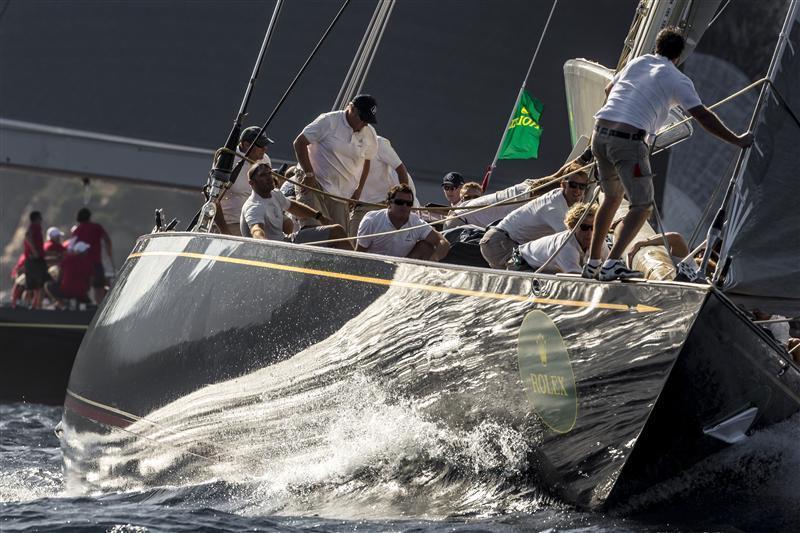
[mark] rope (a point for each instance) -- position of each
(454, 217)
(467, 209)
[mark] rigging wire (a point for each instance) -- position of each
(362, 61)
(283, 98)
(718, 14)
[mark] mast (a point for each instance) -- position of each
(220, 176)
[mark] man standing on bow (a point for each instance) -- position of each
(639, 99)
(334, 154)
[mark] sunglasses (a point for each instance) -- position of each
(587, 227)
(407, 203)
(449, 187)
(576, 185)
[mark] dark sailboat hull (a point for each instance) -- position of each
(207, 344)
(38, 348)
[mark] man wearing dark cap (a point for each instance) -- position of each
(334, 154)
(451, 186)
(230, 206)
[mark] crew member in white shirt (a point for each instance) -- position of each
(230, 206)
(263, 214)
(572, 254)
(539, 217)
(420, 242)
(639, 99)
(385, 171)
(334, 154)
(534, 187)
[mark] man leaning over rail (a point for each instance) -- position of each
(398, 232)
(639, 99)
(539, 217)
(262, 213)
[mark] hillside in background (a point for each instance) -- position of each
(125, 211)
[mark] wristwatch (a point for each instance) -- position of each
(318, 215)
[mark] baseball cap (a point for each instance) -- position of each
(453, 178)
(367, 106)
(249, 135)
(54, 233)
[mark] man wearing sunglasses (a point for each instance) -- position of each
(451, 187)
(539, 217)
(334, 154)
(408, 235)
(572, 255)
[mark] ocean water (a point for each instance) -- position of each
(750, 487)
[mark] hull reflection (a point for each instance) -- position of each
(218, 357)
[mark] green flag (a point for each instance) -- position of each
(524, 132)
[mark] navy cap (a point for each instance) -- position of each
(453, 178)
(367, 107)
(249, 135)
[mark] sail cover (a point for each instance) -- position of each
(762, 234)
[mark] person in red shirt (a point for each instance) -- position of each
(77, 270)
(53, 247)
(17, 276)
(96, 237)
(35, 266)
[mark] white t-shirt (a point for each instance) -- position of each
(487, 216)
(235, 197)
(338, 153)
(265, 211)
(645, 90)
(539, 217)
(382, 174)
(395, 244)
(570, 259)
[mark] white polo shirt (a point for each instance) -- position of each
(236, 196)
(570, 259)
(395, 244)
(487, 216)
(382, 174)
(539, 217)
(645, 90)
(265, 211)
(338, 153)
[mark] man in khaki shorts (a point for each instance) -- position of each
(639, 99)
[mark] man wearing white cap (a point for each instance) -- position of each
(75, 278)
(53, 247)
